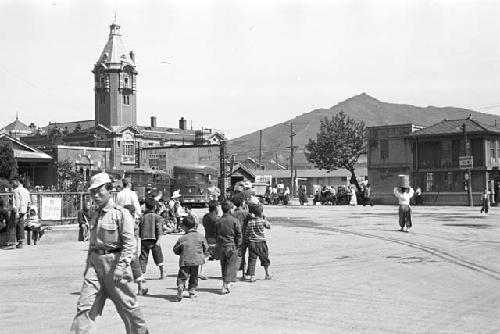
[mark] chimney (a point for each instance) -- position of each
(182, 124)
(153, 121)
(132, 56)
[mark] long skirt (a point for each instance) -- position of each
(404, 216)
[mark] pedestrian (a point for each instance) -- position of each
(83, 221)
(191, 248)
(353, 201)
(367, 195)
(9, 216)
(302, 195)
(4, 217)
(135, 264)
(107, 273)
(241, 213)
(209, 222)
(21, 202)
(418, 195)
(257, 246)
(213, 192)
(228, 241)
(128, 197)
(150, 230)
(404, 194)
(177, 211)
(485, 201)
(33, 226)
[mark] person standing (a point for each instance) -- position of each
(83, 222)
(192, 248)
(367, 195)
(213, 192)
(107, 271)
(150, 230)
(128, 197)
(228, 233)
(354, 200)
(21, 201)
(418, 196)
(485, 201)
(257, 246)
(209, 222)
(404, 194)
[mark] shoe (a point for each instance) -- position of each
(252, 279)
(192, 294)
(144, 291)
(9, 247)
(180, 290)
(224, 291)
(268, 277)
(19, 246)
(202, 277)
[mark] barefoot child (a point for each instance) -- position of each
(257, 246)
(192, 248)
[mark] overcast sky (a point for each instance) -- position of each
(241, 66)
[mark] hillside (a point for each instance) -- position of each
(373, 112)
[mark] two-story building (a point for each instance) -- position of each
(390, 153)
(438, 149)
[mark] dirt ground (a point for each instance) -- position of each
(336, 269)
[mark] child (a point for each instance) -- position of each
(485, 201)
(135, 264)
(34, 225)
(404, 195)
(257, 245)
(83, 222)
(192, 248)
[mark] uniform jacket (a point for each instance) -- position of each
(192, 248)
(112, 227)
(228, 231)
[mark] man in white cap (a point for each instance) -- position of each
(107, 272)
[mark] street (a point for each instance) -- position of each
(335, 269)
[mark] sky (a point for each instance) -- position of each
(242, 66)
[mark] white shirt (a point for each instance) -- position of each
(418, 192)
(21, 199)
(403, 198)
(129, 197)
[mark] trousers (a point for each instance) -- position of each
(228, 263)
(20, 228)
(190, 274)
(147, 246)
(98, 285)
(257, 250)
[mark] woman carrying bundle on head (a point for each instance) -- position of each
(404, 193)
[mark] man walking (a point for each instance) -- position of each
(128, 197)
(150, 230)
(21, 201)
(107, 273)
(228, 231)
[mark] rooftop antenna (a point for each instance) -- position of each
(17, 116)
(115, 18)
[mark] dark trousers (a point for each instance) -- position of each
(257, 250)
(37, 233)
(190, 274)
(11, 230)
(405, 216)
(83, 232)
(485, 206)
(367, 200)
(228, 263)
(146, 247)
(241, 255)
(135, 265)
(20, 228)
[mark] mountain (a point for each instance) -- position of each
(276, 139)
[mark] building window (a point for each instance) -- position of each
(126, 99)
(126, 82)
(429, 181)
(492, 149)
(128, 151)
(384, 149)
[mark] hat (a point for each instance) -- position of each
(176, 194)
(247, 185)
(98, 180)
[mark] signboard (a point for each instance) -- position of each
(263, 179)
(466, 162)
(51, 208)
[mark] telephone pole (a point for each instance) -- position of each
(292, 134)
(468, 173)
(260, 149)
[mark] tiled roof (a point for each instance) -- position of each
(84, 125)
(114, 51)
(17, 125)
(450, 127)
(22, 151)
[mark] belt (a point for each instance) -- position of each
(106, 251)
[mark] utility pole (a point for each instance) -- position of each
(292, 181)
(468, 173)
(260, 149)
(222, 180)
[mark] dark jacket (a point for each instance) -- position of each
(228, 231)
(192, 248)
(243, 217)
(151, 226)
(209, 222)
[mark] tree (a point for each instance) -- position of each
(67, 177)
(8, 163)
(339, 143)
